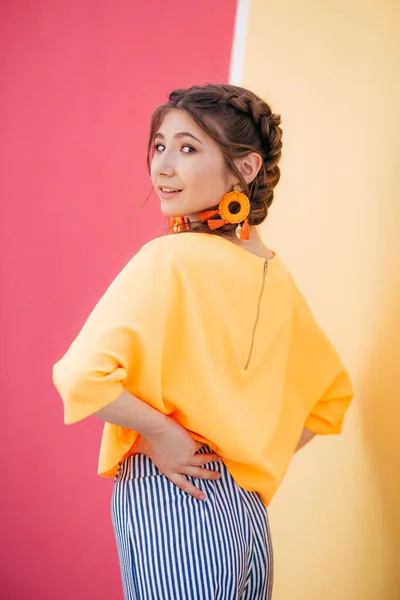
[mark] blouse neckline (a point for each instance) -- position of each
(239, 249)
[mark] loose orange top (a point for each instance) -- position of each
(206, 332)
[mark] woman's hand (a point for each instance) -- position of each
(173, 451)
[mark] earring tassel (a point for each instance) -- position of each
(243, 231)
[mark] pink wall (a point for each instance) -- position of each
(80, 80)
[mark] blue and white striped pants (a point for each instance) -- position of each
(174, 547)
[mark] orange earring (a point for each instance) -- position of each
(226, 216)
(237, 195)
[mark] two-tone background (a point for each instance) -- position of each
(79, 81)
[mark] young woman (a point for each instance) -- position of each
(204, 361)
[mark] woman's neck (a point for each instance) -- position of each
(255, 245)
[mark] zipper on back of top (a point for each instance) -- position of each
(258, 314)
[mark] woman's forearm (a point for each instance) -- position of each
(306, 437)
(131, 412)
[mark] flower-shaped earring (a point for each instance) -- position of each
(237, 195)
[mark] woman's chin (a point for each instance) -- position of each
(168, 210)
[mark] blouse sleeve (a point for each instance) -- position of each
(327, 415)
(318, 372)
(106, 354)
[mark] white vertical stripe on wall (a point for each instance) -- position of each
(239, 42)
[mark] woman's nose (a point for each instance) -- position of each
(165, 165)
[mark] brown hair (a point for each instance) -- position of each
(240, 122)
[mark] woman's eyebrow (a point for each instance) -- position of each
(179, 135)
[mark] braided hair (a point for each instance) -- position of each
(240, 122)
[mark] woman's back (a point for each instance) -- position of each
(222, 340)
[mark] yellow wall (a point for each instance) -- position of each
(331, 70)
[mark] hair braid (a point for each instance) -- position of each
(270, 134)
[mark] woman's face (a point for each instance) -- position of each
(187, 159)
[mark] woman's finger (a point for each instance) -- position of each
(200, 473)
(203, 459)
(181, 482)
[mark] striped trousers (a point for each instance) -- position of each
(174, 547)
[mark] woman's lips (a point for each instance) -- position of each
(167, 195)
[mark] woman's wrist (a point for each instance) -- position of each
(133, 413)
(158, 427)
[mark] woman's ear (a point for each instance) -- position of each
(249, 165)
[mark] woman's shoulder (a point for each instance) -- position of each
(208, 252)
(179, 248)
(163, 256)
(179, 241)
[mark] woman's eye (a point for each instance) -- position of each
(191, 149)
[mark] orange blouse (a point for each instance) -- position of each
(218, 338)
